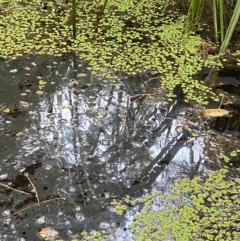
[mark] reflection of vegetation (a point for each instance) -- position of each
(195, 210)
(131, 36)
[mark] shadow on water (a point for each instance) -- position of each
(228, 83)
(85, 140)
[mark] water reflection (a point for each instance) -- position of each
(86, 140)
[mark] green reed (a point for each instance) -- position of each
(219, 12)
(231, 27)
(218, 20)
(195, 13)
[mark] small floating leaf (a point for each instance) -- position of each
(105, 142)
(51, 115)
(39, 92)
(42, 82)
(27, 68)
(102, 112)
(6, 110)
(13, 71)
(66, 107)
(63, 121)
(233, 153)
(81, 75)
(20, 133)
(24, 103)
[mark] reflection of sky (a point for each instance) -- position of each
(187, 162)
(103, 123)
(99, 136)
(96, 119)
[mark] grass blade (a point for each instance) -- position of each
(215, 20)
(231, 28)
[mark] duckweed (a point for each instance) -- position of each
(131, 36)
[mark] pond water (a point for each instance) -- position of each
(75, 142)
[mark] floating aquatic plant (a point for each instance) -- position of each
(128, 36)
(196, 209)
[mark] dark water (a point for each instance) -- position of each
(229, 84)
(84, 141)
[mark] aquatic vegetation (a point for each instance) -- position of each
(221, 12)
(218, 5)
(227, 157)
(231, 27)
(74, 13)
(195, 14)
(97, 236)
(131, 36)
(42, 84)
(195, 209)
(122, 206)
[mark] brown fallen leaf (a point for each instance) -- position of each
(215, 112)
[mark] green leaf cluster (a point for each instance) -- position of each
(195, 209)
(97, 236)
(121, 206)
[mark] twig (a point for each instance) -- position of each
(34, 188)
(8, 187)
(221, 102)
(135, 97)
(21, 210)
(158, 77)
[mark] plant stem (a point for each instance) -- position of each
(221, 14)
(215, 20)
